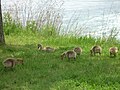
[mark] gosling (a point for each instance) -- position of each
(11, 62)
(69, 54)
(78, 50)
(96, 49)
(113, 51)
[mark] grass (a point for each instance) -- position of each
(46, 71)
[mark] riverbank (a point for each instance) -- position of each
(46, 71)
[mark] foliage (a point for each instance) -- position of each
(10, 25)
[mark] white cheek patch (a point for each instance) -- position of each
(116, 51)
(39, 48)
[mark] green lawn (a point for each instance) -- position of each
(46, 71)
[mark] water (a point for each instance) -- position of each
(96, 17)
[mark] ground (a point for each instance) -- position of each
(46, 71)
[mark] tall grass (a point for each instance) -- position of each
(43, 24)
(45, 17)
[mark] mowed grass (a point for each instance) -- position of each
(46, 71)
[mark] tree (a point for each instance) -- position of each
(2, 39)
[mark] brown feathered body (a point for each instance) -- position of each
(96, 49)
(11, 62)
(113, 51)
(78, 50)
(49, 49)
(69, 54)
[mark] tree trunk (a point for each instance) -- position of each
(2, 39)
